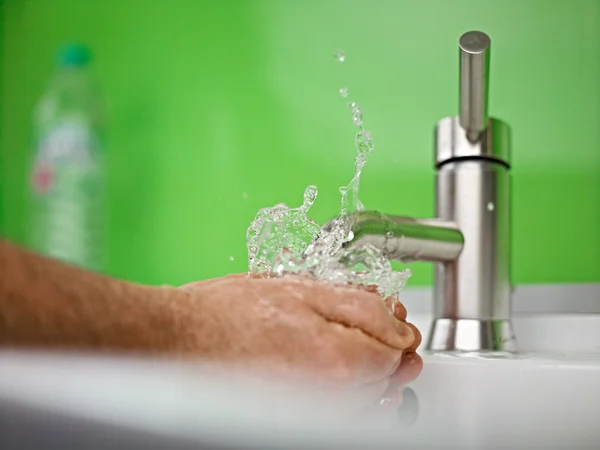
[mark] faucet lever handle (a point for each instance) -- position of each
(474, 55)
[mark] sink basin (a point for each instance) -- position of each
(527, 401)
(466, 402)
(547, 396)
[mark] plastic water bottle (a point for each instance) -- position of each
(67, 219)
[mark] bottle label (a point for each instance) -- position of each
(67, 192)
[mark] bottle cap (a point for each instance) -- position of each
(74, 55)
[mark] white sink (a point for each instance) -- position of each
(548, 396)
(529, 401)
(458, 402)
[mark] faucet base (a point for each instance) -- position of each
(472, 335)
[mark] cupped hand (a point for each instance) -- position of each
(299, 327)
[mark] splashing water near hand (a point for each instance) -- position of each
(284, 240)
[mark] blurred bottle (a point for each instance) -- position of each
(67, 218)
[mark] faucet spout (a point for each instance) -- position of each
(406, 239)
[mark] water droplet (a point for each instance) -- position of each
(490, 206)
(357, 116)
(361, 159)
(244, 195)
(344, 92)
(279, 269)
(364, 142)
(340, 55)
(231, 258)
(310, 194)
(385, 400)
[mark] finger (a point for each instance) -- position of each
(367, 311)
(360, 309)
(418, 338)
(396, 307)
(357, 358)
(410, 368)
(391, 398)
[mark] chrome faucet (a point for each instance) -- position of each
(470, 239)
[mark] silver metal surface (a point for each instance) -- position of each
(451, 142)
(407, 239)
(472, 292)
(475, 195)
(472, 335)
(474, 60)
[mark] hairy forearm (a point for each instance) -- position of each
(44, 303)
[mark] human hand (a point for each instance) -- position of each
(410, 368)
(298, 327)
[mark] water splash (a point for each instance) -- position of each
(281, 231)
(283, 240)
(339, 55)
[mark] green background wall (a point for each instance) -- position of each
(219, 108)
